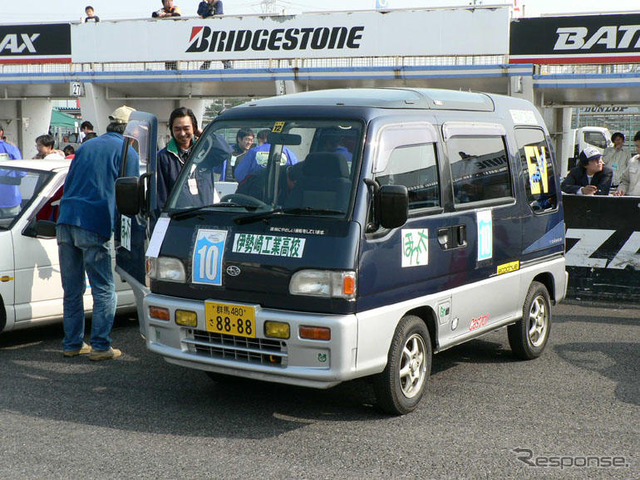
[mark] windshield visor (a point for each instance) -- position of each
(287, 167)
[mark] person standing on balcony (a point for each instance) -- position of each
(206, 9)
(168, 10)
(91, 15)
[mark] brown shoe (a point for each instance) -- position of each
(110, 354)
(84, 350)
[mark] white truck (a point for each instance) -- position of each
(575, 140)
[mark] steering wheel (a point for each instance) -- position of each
(244, 200)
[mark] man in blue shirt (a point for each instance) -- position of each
(10, 198)
(85, 225)
(257, 157)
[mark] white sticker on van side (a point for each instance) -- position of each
(485, 234)
(268, 245)
(523, 117)
(415, 247)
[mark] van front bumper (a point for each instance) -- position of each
(295, 361)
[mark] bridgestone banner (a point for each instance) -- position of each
(35, 43)
(576, 39)
(361, 34)
(603, 247)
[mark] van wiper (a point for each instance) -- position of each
(286, 211)
(194, 210)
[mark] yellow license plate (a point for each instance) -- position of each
(230, 319)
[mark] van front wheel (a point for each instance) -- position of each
(528, 336)
(402, 383)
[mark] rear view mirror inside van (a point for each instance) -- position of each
(394, 205)
(284, 139)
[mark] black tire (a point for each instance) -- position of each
(528, 336)
(401, 385)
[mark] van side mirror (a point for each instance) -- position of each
(393, 205)
(129, 195)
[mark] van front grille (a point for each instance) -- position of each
(251, 350)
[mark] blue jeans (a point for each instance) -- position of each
(83, 251)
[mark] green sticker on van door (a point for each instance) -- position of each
(415, 247)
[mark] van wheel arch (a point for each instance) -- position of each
(428, 316)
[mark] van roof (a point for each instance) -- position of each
(418, 98)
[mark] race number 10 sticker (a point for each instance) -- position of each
(207, 257)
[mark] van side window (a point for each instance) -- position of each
(415, 167)
(537, 169)
(479, 168)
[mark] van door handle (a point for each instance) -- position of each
(461, 235)
(452, 237)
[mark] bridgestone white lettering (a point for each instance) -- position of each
(578, 38)
(570, 38)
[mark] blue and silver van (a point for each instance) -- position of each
(375, 228)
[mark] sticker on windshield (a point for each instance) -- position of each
(278, 127)
(207, 257)
(415, 247)
(268, 245)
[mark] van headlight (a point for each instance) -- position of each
(167, 269)
(324, 283)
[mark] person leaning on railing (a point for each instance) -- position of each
(206, 9)
(168, 10)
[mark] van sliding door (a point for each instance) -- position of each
(484, 201)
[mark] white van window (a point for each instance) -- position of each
(415, 167)
(479, 168)
(537, 168)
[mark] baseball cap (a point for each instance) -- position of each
(588, 154)
(121, 114)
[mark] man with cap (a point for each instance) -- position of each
(85, 226)
(590, 177)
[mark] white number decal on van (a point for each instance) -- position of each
(207, 257)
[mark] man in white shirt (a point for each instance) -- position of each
(630, 179)
(616, 157)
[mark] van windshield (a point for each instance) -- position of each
(297, 167)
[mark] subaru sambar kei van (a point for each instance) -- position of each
(375, 228)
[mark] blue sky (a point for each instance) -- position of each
(43, 11)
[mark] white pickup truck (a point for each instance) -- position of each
(578, 139)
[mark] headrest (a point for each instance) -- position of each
(326, 164)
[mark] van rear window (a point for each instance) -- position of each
(479, 168)
(537, 168)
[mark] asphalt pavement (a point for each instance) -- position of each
(572, 413)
